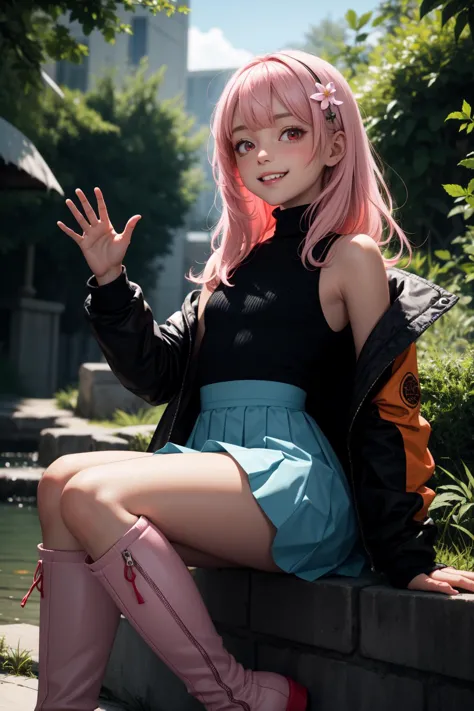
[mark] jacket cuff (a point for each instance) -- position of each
(112, 296)
(402, 577)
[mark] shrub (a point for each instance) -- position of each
(67, 399)
(447, 384)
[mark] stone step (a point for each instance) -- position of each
(18, 693)
(19, 482)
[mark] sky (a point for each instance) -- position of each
(226, 34)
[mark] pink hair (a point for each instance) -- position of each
(351, 201)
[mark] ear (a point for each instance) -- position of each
(337, 148)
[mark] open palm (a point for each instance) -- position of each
(101, 246)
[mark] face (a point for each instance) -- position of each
(282, 153)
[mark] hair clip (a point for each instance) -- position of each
(326, 95)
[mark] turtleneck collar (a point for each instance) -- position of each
(289, 222)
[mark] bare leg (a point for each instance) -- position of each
(55, 533)
(200, 500)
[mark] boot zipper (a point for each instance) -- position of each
(131, 563)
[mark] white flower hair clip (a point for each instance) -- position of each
(326, 95)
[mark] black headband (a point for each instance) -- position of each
(330, 115)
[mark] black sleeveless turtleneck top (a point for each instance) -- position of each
(270, 326)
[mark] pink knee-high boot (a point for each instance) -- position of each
(156, 592)
(78, 622)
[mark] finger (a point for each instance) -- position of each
(78, 215)
(77, 238)
(88, 209)
(130, 226)
(103, 214)
(442, 587)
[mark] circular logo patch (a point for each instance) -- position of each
(410, 390)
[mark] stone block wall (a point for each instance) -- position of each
(101, 393)
(356, 644)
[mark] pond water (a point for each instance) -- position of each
(20, 533)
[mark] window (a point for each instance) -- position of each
(74, 76)
(137, 43)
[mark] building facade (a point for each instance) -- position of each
(164, 41)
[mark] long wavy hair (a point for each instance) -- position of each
(354, 196)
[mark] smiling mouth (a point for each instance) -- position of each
(273, 178)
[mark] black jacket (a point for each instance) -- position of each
(389, 461)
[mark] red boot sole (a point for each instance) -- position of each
(298, 697)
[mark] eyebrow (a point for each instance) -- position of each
(275, 118)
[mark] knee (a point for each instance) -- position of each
(52, 483)
(82, 498)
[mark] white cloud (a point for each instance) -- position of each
(211, 50)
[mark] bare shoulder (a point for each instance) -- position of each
(357, 250)
(362, 281)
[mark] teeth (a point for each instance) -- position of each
(273, 176)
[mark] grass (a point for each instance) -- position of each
(15, 662)
(67, 399)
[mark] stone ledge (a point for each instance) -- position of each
(330, 609)
(425, 631)
(338, 685)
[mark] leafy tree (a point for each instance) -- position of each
(461, 10)
(394, 13)
(413, 78)
(137, 149)
(31, 32)
(326, 39)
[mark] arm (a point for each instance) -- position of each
(148, 359)
(391, 460)
(392, 464)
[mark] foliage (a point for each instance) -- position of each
(33, 32)
(67, 399)
(461, 10)
(139, 443)
(447, 386)
(456, 554)
(141, 153)
(146, 416)
(16, 662)
(457, 498)
(414, 77)
(464, 196)
(327, 39)
(394, 13)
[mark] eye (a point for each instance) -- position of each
(246, 145)
(294, 134)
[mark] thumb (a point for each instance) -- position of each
(130, 226)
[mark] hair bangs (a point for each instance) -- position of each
(254, 89)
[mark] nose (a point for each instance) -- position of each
(263, 155)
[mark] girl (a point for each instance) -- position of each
(293, 436)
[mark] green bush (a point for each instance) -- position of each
(447, 385)
(146, 416)
(414, 78)
(67, 399)
(140, 443)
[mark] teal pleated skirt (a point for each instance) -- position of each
(293, 473)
